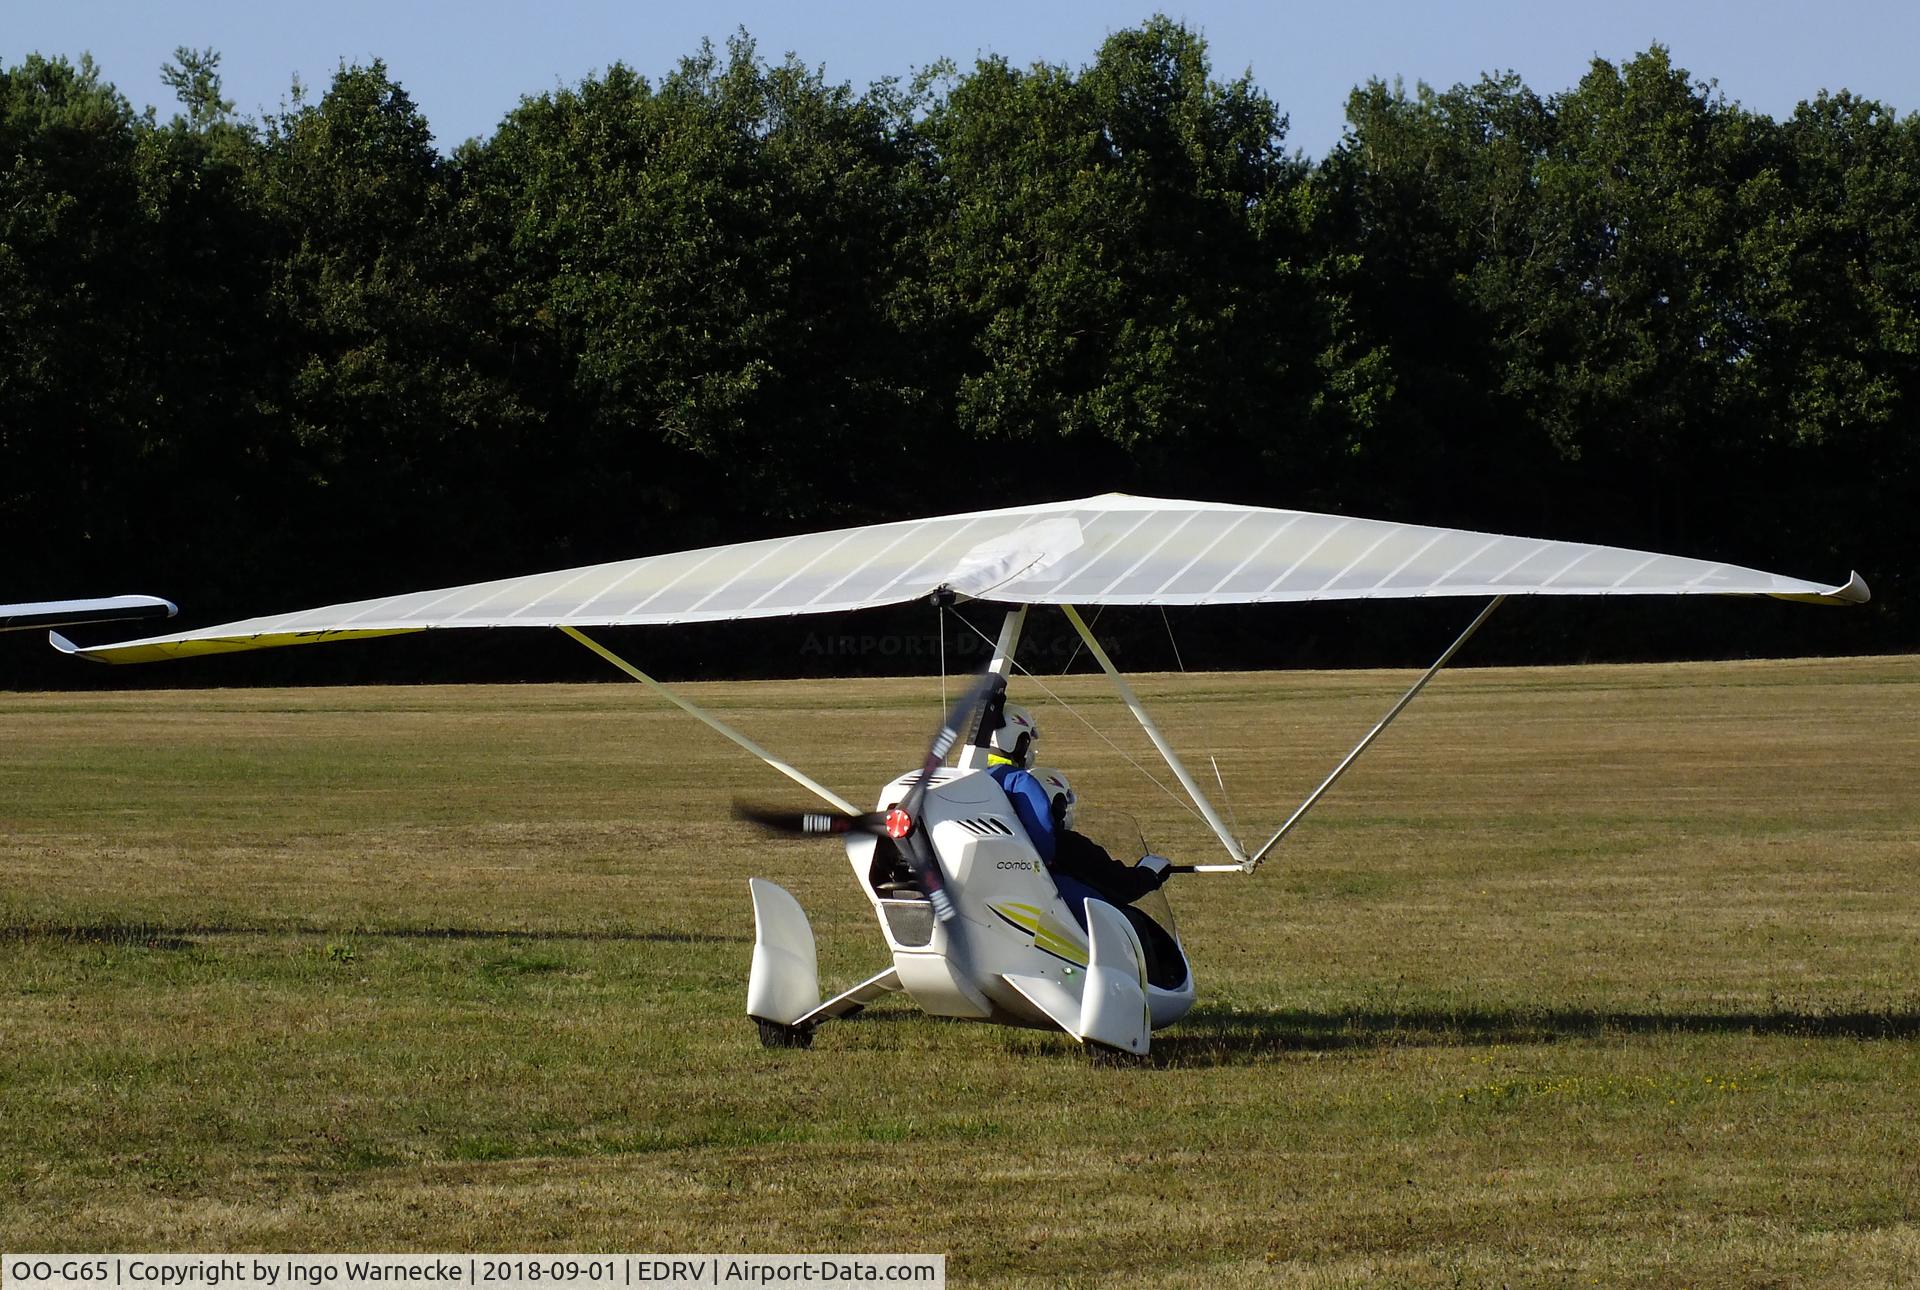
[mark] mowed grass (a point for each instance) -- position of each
(1603, 975)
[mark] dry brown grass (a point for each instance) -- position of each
(1587, 975)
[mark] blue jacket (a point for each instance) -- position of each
(1030, 804)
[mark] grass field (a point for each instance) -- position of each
(1584, 976)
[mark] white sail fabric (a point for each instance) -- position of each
(1111, 550)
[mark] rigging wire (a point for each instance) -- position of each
(1078, 644)
(1088, 724)
(1168, 624)
(1206, 730)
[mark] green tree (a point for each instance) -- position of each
(744, 298)
(209, 466)
(1831, 258)
(1630, 315)
(395, 418)
(702, 276)
(1428, 202)
(1116, 245)
(1830, 265)
(76, 395)
(194, 78)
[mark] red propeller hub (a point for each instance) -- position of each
(899, 823)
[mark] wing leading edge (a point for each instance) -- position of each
(1110, 550)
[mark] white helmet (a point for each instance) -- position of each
(1014, 740)
(1059, 792)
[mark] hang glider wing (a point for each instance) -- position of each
(67, 613)
(1111, 550)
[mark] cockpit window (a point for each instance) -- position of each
(1152, 919)
(1154, 905)
(1113, 829)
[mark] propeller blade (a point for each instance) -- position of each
(900, 823)
(918, 848)
(947, 736)
(810, 823)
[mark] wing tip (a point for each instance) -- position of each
(1853, 591)
(102, 654)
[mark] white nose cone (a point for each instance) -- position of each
(1113, 1003)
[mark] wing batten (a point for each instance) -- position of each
(906, 532)
(1307, 555)
(1159, 546)
(1438, 536)
(1250, 556)
(1206, 550)
(1111, 550)
(1360, 559)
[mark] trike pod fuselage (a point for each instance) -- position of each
(1013, 936)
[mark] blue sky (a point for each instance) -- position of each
(466, 64)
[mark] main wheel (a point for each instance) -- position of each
(775, 1035)
(1107, 1056)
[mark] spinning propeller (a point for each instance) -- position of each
(901, 822)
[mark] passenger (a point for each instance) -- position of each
(1044, 801)
(1077, 858)
(1082, 868)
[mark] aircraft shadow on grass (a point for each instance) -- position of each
(1206, 1037)
(1240, 1037)
(153, 936)
(1227, 1038)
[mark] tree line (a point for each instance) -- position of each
(255, 364)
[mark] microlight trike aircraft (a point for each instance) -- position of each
(974, 923)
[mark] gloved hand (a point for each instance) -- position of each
(1157, 866)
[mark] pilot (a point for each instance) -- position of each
(1079, 861)
(1009, 757)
